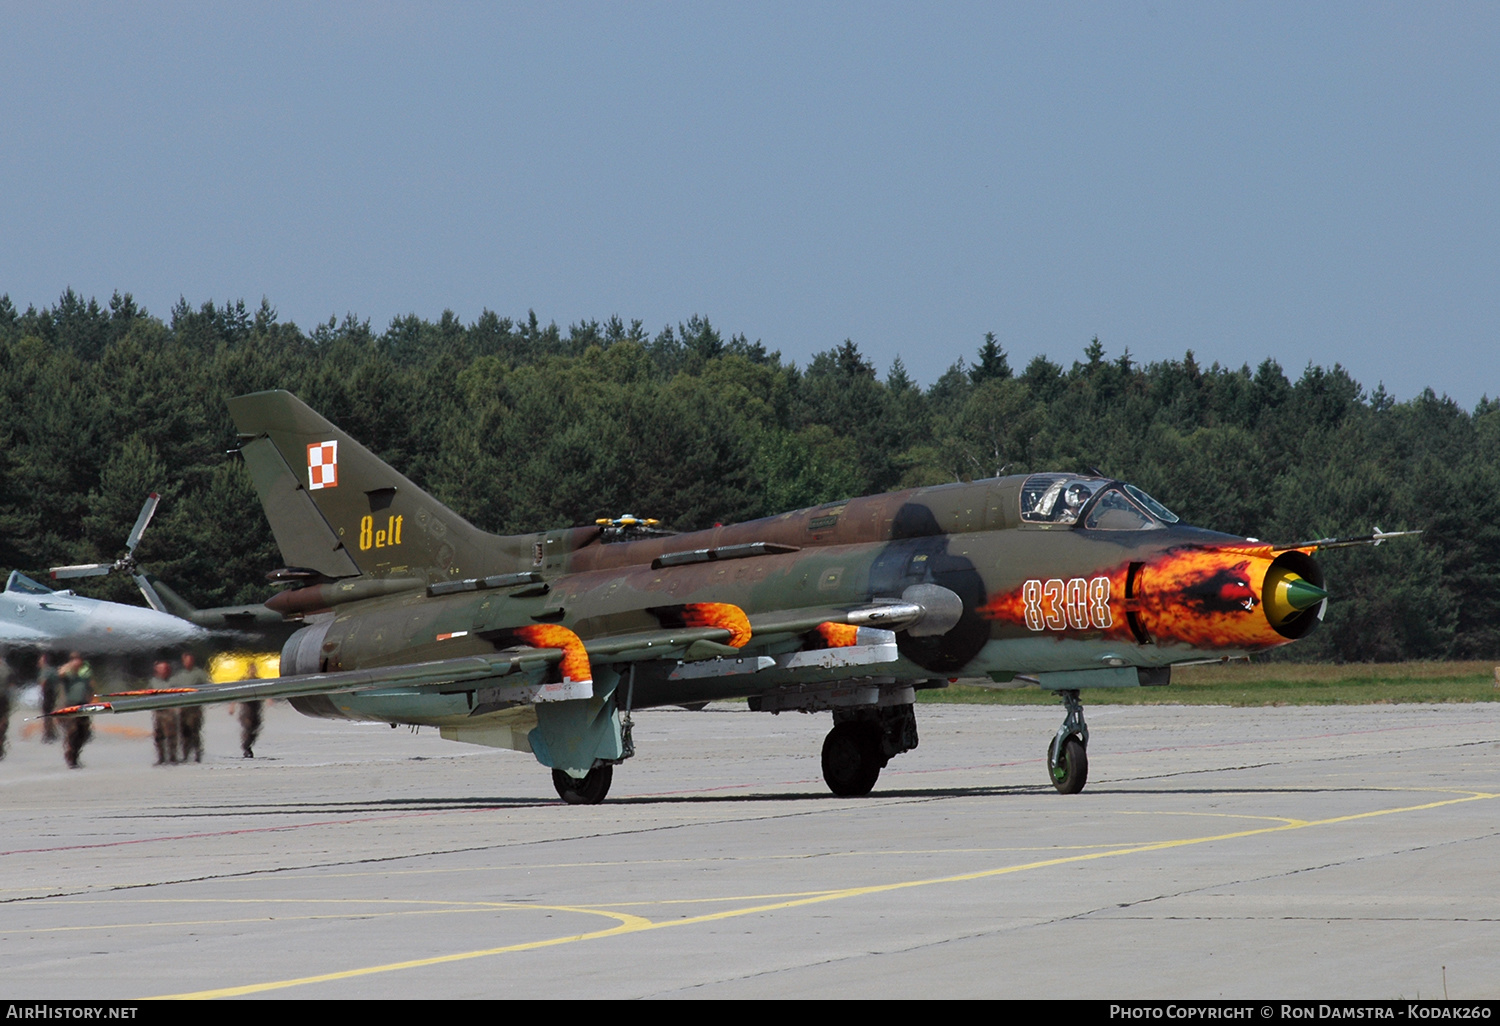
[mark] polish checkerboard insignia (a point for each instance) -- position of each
(322, 465)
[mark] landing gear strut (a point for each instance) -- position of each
(591, 788)
(1068, 754)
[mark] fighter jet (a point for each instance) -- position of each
(551, 642)
(246, 628)
(35, 616)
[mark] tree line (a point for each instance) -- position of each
(521, 426)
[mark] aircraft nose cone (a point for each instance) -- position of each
(1287, 595)
(117, 628)
(1300, 594)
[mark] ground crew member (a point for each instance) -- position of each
(164, 721)
(190, 718)
(77, 678)
(7, 685)
(50, 685)
(250, 716)
(250, 721)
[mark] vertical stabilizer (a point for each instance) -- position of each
(162, 598)
(336, 508)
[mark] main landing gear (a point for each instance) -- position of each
(588, 790)
(1068, 754)
(852, 759)
(860, 744)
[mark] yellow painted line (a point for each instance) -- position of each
(626, 924)
(363, 912)
(302, 901)
(1217, 815)
(636, 924)
(247, 920)
(532, 867)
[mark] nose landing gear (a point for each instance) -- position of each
(1067, 755)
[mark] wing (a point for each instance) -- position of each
(461, 673)
(465, 670)
(708, 631)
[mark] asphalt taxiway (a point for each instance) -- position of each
(1274, 853)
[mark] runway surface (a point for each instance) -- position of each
(1291, 852)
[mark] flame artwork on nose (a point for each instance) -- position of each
(719, 614)
(1201, 598)
(575, 661)
(1206, 599)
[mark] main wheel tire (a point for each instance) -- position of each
(588, 791)
(851, 759)
(1070, 771)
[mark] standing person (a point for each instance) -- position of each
(250, 715)
(190, 718)
(77, 678)
(164, 721)
(50, 685)
(250, 720)
(7, 685)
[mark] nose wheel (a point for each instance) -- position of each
(1068, 754)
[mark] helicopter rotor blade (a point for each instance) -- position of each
(147, 512)
(63, 573)
(152, 598)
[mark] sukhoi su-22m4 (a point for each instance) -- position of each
(549, 642)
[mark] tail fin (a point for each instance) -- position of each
(162, 598)
(334, 507)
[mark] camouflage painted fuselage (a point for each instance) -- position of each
(546, 643)
(1038, 599)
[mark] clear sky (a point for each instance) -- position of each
(1310, 182)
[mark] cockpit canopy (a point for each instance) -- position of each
(19, 582)
(1094, 503)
